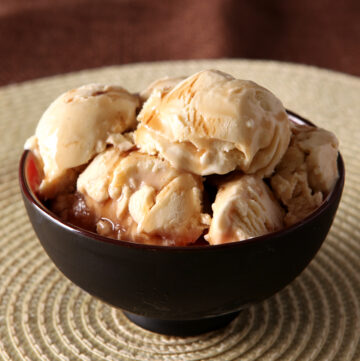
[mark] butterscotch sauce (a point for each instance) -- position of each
(100, 217)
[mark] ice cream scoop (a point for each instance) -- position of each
(95, 179)
(144, 197)
(213, 123)
(307, 172)
(244, 207)
(77, 126)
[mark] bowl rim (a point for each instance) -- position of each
(330, 198)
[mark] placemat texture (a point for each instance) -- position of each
(43, 316)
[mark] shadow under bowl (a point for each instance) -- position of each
(179, 290)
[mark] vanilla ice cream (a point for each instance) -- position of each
(144, 197)
(244, 207)
(208, 157)
(212, 123)
(307, 172)
(77, 126)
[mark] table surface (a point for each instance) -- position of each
(44, 37)
(43, 316)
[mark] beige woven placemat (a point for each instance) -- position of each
(45, 317)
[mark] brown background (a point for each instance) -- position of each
(44, 37)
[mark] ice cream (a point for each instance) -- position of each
(144, 198)
(206, 158)
(307, 172)
(244, 207)
(77, 126)
(213, 123)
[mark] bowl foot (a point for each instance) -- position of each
(181, 328)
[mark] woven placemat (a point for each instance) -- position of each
(43, 316)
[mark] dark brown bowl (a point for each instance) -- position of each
(179, 290)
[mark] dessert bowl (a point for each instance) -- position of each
(179, 290)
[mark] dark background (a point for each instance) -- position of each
(45, 37)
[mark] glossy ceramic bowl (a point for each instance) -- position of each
(179, 290)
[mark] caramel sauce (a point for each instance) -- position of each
(82, 211)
